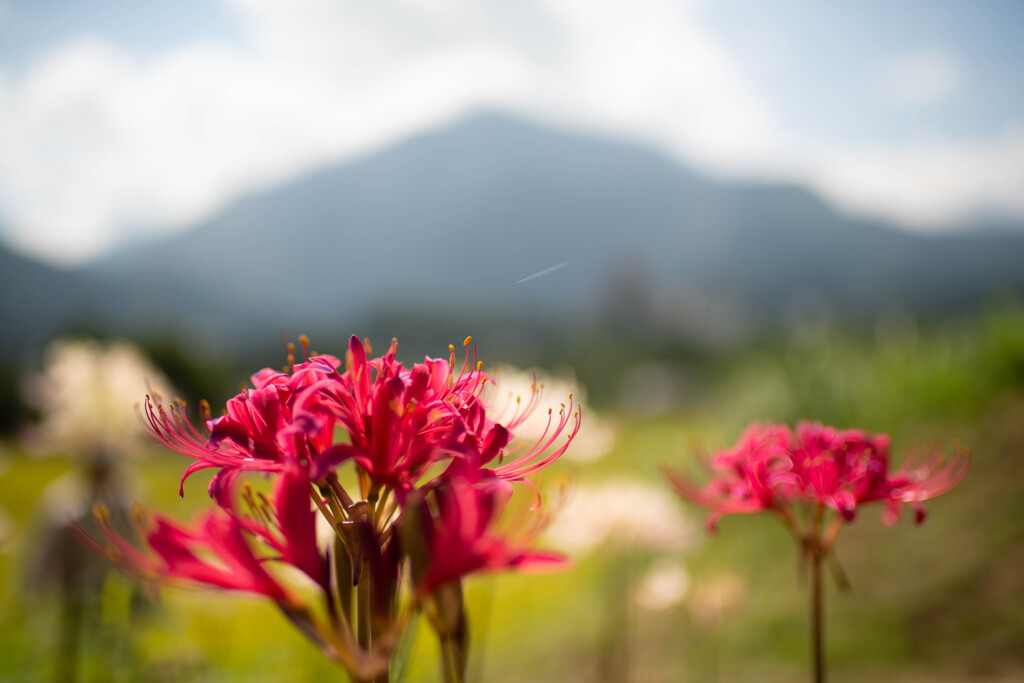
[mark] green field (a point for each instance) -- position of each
(939, 602)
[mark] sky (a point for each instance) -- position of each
(125, 119)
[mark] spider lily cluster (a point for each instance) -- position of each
(434, 470)
(815, 478)
(803, 474)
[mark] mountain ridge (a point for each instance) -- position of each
(456, 220)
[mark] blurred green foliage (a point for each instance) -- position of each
(943, 601)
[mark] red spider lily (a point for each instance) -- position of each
(800, 476)
(772, 468)
(400, 422)
(395, 424)
(451, 527)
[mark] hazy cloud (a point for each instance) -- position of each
(925, 185)
(924, 77)
(100, 145)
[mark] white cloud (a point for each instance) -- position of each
(923, 77)
(99, 145)
(925, 185)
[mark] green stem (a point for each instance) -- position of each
(817, 615)
(363, 609)
(364, 632)
(450, 661)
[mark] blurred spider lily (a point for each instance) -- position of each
(775, 469)
(433, 474)
(815, 478)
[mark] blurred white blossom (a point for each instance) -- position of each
(624, 513)
(87, 393)
(712, 597)
(513, 388)
(665, 585)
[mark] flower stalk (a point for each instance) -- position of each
(817, 618)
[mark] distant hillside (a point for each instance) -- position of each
(41, 302)
(459, 216)
(36, 298)
(456, 221)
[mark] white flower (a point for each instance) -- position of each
(87, 393)
(514, 388)
(711, 598)
(624, 513)
(664, 585)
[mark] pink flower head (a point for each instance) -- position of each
(841, 469)
(452, 528)
(754, 475)
(257, 430)
(402, 421)
(399, 422)
(773, 468)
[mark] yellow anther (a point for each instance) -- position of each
(479, 365)
(366, 345)
(291, 348)
(99, 511)
(468, 341)
(303, 340)
(451, 348)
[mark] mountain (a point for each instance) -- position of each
(41, 302)
(36, 299)
(456, 221)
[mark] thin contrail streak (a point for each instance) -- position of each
(543, 272)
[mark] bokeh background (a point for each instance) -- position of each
(694, 213)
